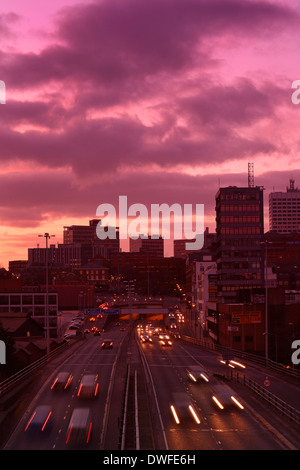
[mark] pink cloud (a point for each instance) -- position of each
(123, 96)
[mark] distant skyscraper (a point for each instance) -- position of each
(284, 210)
(240, 233)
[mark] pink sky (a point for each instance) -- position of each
(160, 100)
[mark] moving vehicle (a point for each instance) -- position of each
(197, 374)
(182, 408)
(145, 338)
(107, 344)
(165, 340)
(88, 387)
(62, 381)
(80, 427)
(70, 335)
(175, 335)
(39, 422)
(224, 397)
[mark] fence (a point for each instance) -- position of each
(23, 374)
(284, 408)
(268, 363)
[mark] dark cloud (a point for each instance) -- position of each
(113, 41)
(134, 84)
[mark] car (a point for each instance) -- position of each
(40, 421)
(176, 335)
(88, 387)
(224, 398)
(107, 344)
(145, 338)
(80, 427)
(164, 340)
(197, 374)
(62, 381)
(163, 335)
(122, 328)
(97, 333)
(182, 408)
(70, 336)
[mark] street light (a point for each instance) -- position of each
(47, 236)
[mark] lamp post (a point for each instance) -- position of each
(47, 236)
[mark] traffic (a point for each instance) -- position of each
(80, 404)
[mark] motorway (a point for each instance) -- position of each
(226, 429)
(159, 380)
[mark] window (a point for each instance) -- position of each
(236, 339)
(4, 300)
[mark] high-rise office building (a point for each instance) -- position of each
(284, 210)
(240, 235)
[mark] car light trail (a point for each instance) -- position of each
(69, 433)
(175, 414)
(53, 385)
(204, 377)
(47, 419)
(237, 402)
(89, 433)
(238, 364)
(218, 403)
(30, 420)
(192, 377)
(194, 414)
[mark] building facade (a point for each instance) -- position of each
(73, 255)
(148, 245)
(33, 304)
(239, 244)
(284, 210)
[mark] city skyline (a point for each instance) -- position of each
(164, 101)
